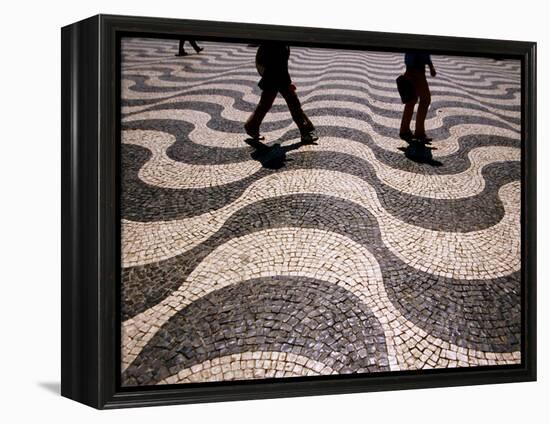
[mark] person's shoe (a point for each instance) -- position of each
(309, 137)
(181, 54)
(200, 49)
(254, 134)
(422, 138)
(406, 135)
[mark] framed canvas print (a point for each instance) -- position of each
(254, 211)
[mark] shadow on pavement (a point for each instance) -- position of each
(420, 153)
(271, 157)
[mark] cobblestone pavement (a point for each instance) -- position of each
(356, 254)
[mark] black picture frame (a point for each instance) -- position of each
(91, 221)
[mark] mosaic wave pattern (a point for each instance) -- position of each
(357, 254)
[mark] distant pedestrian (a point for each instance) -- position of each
(416, 73)
(181, 50)
(272, 64)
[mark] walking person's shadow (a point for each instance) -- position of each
(274, 156)
(420, 153)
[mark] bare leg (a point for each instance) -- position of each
(425, 97)
(407, 117)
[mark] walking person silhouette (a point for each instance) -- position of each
(416, 73)
(272, 65)
(181, 50)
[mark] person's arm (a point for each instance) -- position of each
(433, 73)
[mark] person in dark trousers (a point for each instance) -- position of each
(272, 64)
(416, 72)
(181, 50)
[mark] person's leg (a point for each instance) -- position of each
(408, 110)
(298, 115)
(181, 50)
(252, 125)
(195, 46)
(425, 99)
(308, 124)
(405, 129)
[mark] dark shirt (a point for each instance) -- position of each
(272, 64)
(417, 61)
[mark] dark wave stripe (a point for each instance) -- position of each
(142, 84)
(219, 123)
(436, 106)
(315, 319)
(228, 55)
(250, 75)
(386, 73)
(221, 59)
(146, 203)
(172, 46)
(304, 57)
(363, 71)
(176, 61)
(184, 150)
(315, 53)
(246, 106)
(482, 315)
(363, 65)
(238, 95)
(213, 62)
(388, 61)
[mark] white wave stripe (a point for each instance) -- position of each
(249, 365)
(483, 254)
(310, 253)
(458, 69)
(458, 65)
(193, 82)
(203, 135)
(446, 186)
(308, 76)
(363, 96)
(191, 62)
(172, 60)
(363, 89)
(238, 51)
(197, 69)
(200, 69)
(453, 64)
(176, 62)
(211, 62)
(451, 186)
(509, 69)
(218, 57)
(314, 51)
(233, 114)
(161, 171)
(169, 50)
(251, 98)
(312, 54)
(301, 56)
(365, 67)
(479, 82)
